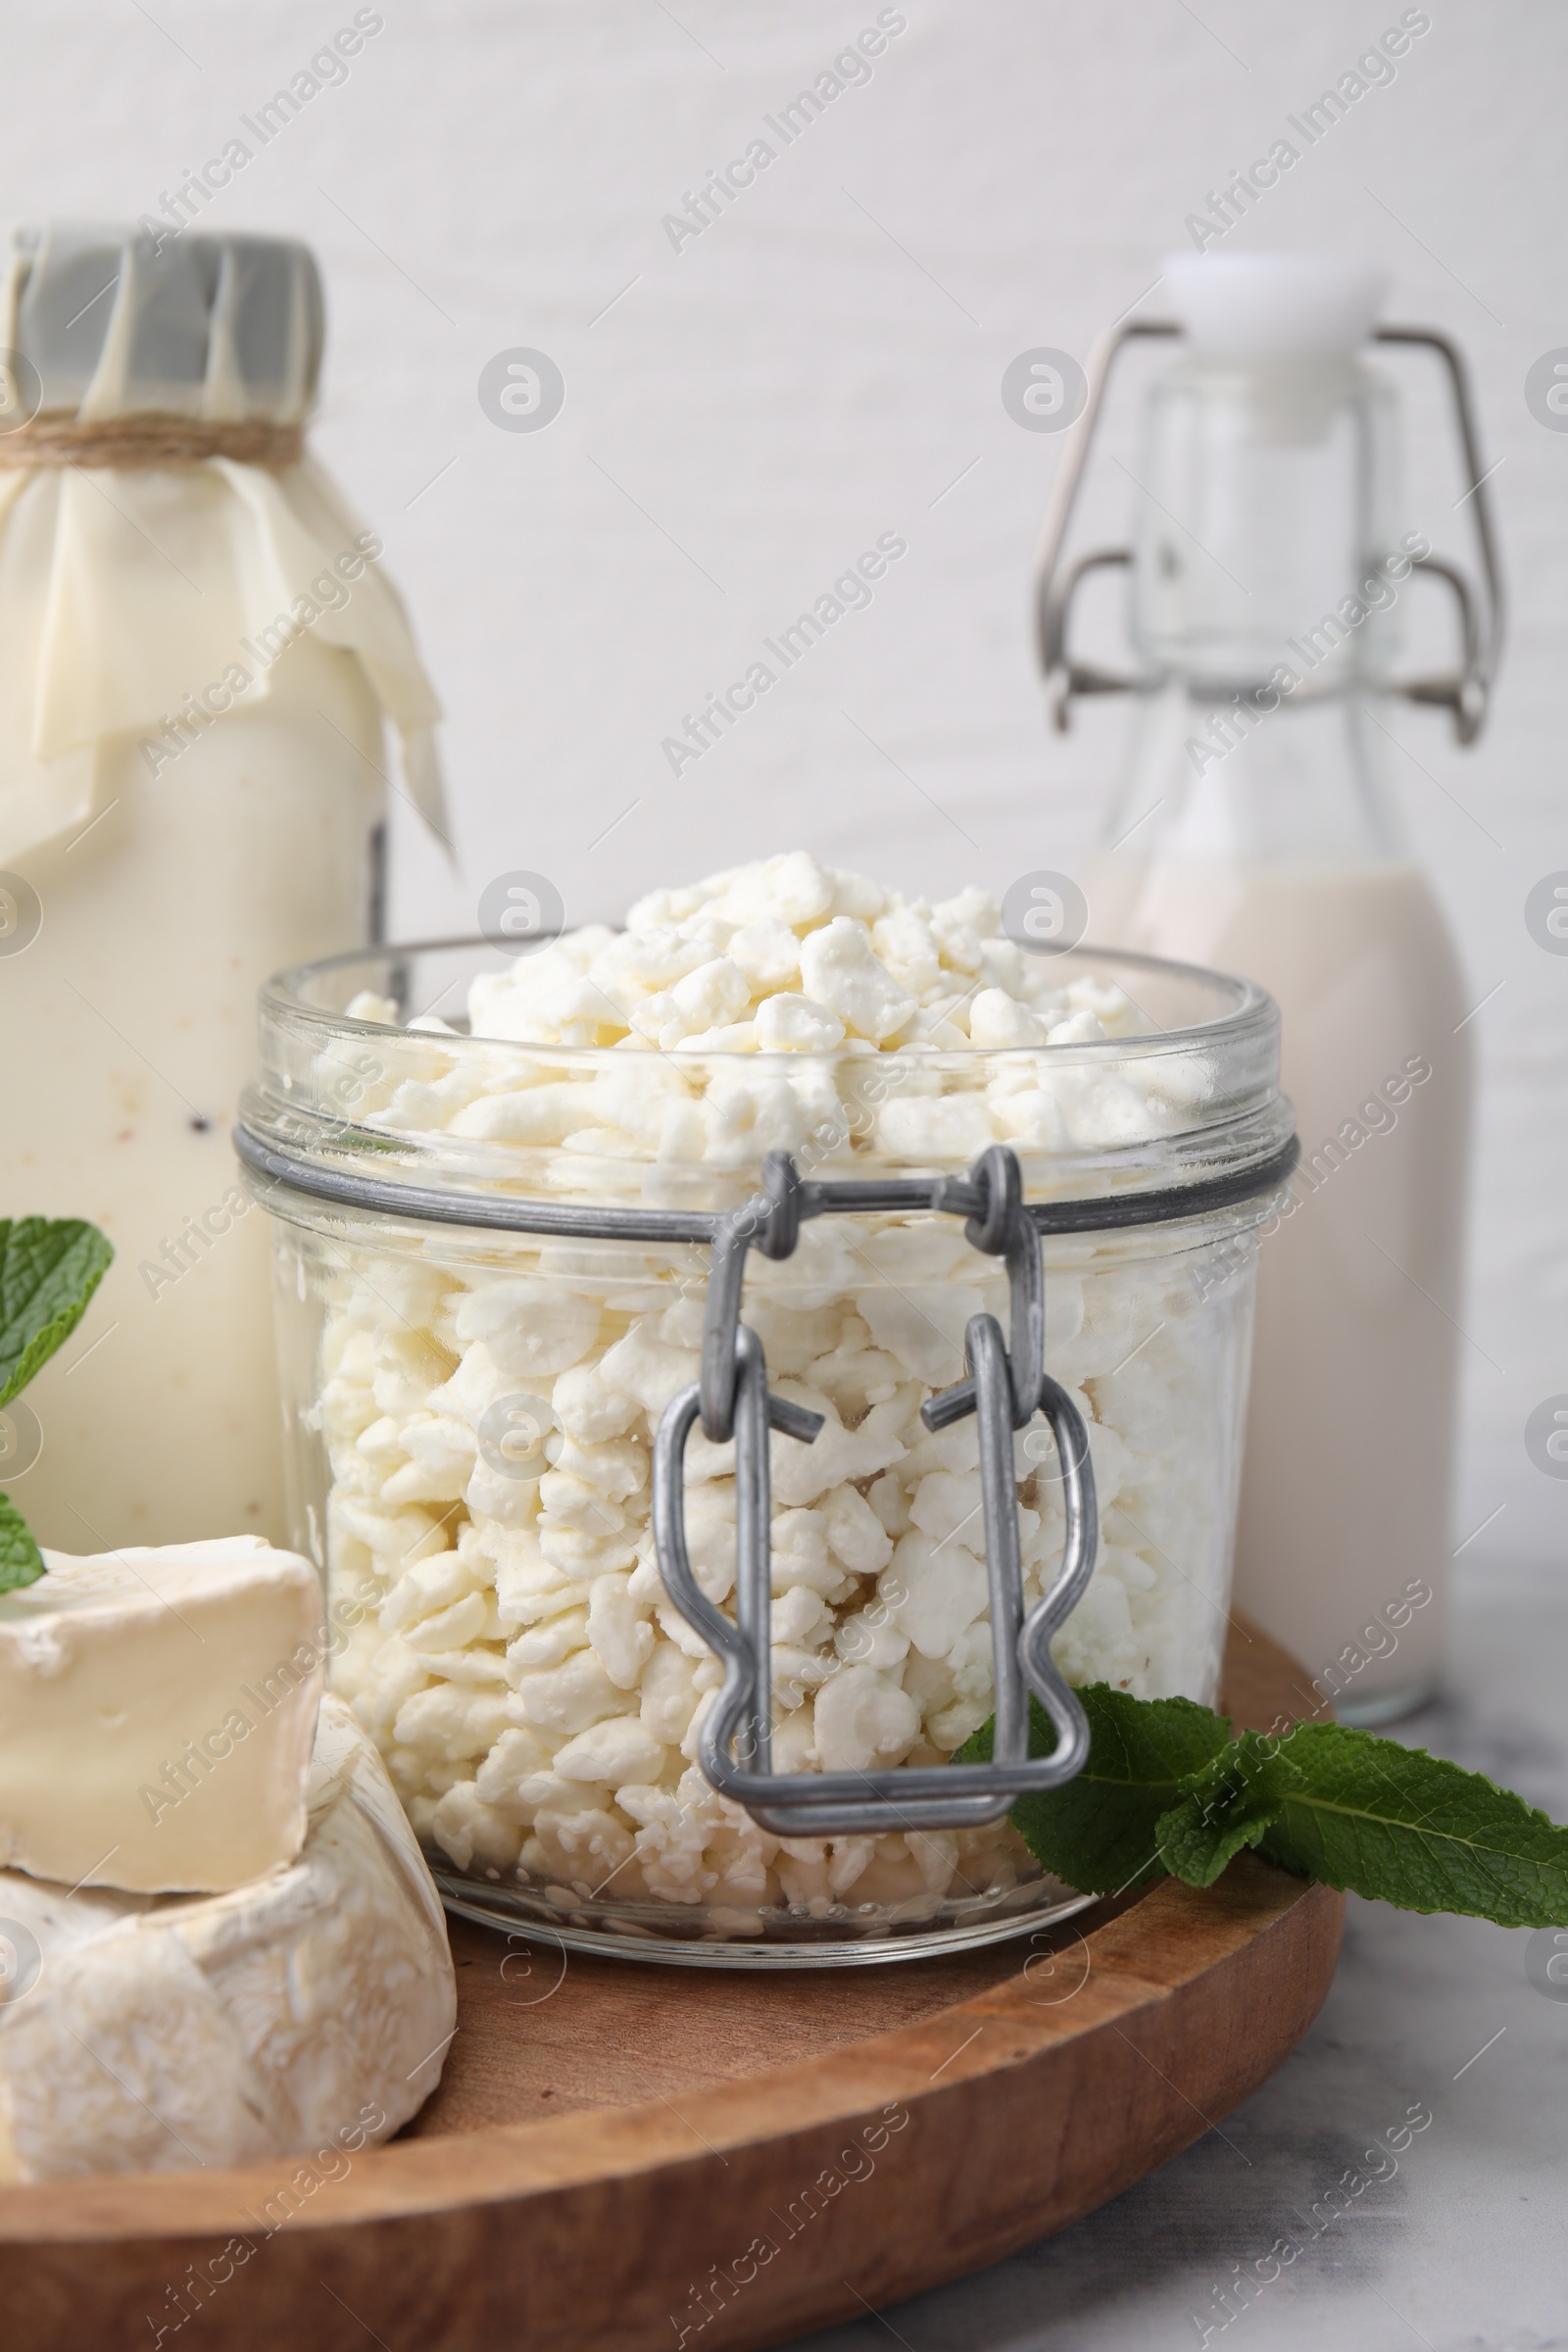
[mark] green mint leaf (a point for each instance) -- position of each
(1415, 1830)
(1230, 1803)
(21, 1562)
(49, 1269)
(1099, 1833)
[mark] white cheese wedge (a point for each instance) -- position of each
(157, 1710)
(305, 2016)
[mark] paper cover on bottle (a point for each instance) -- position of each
(128, 590)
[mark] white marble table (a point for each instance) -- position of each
(1465, 2248)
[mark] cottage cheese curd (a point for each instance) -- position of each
(487, 1408)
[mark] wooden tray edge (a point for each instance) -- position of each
(919, 2154)
(601, 2230)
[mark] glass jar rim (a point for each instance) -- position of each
(1248, 1009)
(1223, 1136)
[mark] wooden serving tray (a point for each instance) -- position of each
(623, 2156)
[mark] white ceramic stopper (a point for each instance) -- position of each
(1274, 305)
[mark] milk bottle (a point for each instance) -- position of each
(1255, 832)
(197, 648)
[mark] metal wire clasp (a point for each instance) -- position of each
(1465, 690)
(1004, 1386)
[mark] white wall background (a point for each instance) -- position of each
(822, 364)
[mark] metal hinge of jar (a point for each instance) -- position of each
(1005, 1384)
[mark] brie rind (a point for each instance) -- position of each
(308, 2014)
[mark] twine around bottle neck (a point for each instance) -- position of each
(150, 437)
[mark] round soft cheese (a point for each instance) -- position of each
(307, 2014)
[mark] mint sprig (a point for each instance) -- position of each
(1166, 1786)
(1232, 1803)
(21, 1560)
(1099, 1833)
(49, 1270)
(1414, 1830)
